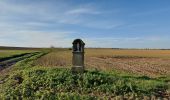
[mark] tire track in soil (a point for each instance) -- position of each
(12, 61)
(12, 57)
(6, 65)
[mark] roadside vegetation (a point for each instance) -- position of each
(12, 53)
(48, 76)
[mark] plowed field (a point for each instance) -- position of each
(143, 62)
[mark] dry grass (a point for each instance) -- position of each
(144, 62)
(57, 58)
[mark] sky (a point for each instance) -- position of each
(99, 23)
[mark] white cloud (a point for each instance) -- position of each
(104, 24)
(63, 13)
(127, 42)
(79, 11)
(35, 38)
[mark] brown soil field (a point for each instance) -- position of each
(151, 63)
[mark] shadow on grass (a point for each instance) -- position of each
(164, 79)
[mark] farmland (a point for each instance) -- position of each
(144, 62)
(110, 74)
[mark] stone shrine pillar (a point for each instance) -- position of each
(78, 56)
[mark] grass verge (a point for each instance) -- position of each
(27, 81)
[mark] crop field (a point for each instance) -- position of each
(110, 74)
(151, 63)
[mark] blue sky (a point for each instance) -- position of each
(100, 23)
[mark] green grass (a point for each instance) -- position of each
(42, 82)
(10, 53)
(37, 82)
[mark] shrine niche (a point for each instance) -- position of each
(78, 55)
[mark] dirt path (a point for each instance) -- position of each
(12, 57)
(5, 66)
(8, 62)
